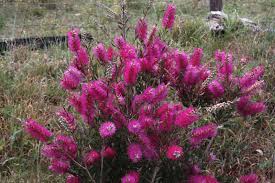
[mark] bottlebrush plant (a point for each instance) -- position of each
(139, 112)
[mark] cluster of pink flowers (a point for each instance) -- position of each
(134, 106)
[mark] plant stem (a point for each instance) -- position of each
(85, 168)
(102, 164)
(155, 174)
(208, 146)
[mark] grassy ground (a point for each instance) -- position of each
(29, 80)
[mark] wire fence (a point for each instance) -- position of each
(28, 18)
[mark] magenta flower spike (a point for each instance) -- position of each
(131, 72)
(216, 89)
(91, 158)
(134, 126)
(74, 40)
(196, 57)
(169, 16)
(131, 177)
(134, 152)
(59, 166)
(203, 132)
(192, 75)
(174, 152)
(71, 78)
(107, 129)
(186, 117)
(37, 131)
(141, 30)
(68, 118)
(101, 53)
(247, 107)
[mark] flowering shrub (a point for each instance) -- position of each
(139, 112)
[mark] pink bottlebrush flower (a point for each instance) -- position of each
(152, 36)
(162, 110)
(227, 67)
(166, 114)
(119, 42)
(59, 166)
(202, 179)
(253, 89)
(146, 110)
(98, 89)
(128, 52)
(109, 152)
(169, 16)
(156, 50)
(186, 117)
(110, 53)
(107, 107)
(224, 63)
(74, 40)
(148, 65)
(131, 177)
(251, 178)
(75, 102)
(107, 129)
(204, 73)
(87, 106)
(37, 131)
(146, 122)
(134, 152)
(199, 134)
(52, 151)
(216, 88)
(120, 88)
(68, 118)
(192, 75)
(176, 107)
(72, 179)
(134, 126)
(141, 30)
(147, 95)
(246, 107)
(181, 61)
(82, 58)
(196, 57)
(67, 145)
(119, 118)
(166, 122)
(91, 158)
(131, 72)
(251, 77)
(160, 93)
(71, 78)
(63, 148)
(149, 148)
(174, 152)
(220, 56)
(100, 53)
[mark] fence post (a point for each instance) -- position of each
(216, 5)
